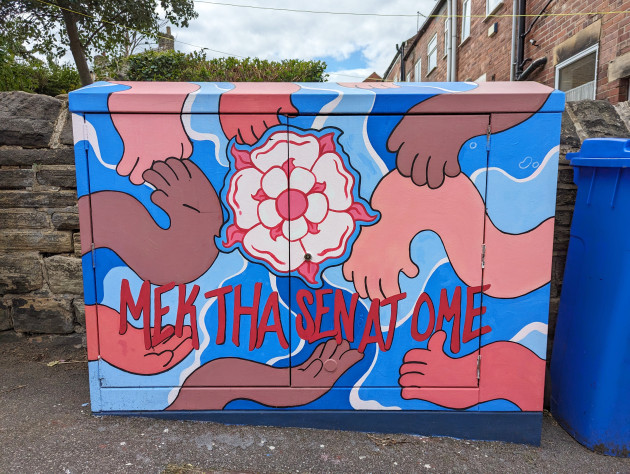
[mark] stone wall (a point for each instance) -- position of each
(41, 289)
(40, 269)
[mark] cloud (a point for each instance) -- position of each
(278, 35)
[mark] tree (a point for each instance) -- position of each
(84, 26)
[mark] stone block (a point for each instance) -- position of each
(48, 241)
(66, 137)
(597, 118)
(36, 156)
(23, 219)
(16, 179)
(6, 322)
(20, 272)
(64, 220)
(51, 198)
(565, 174)
(568, 133)
(27, 119)
(564, 215)
(62, 176)
(43, 315)
(64, 274)
(76, 241)
(79, 312)
(565, 195)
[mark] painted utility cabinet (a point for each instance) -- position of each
(371, 256)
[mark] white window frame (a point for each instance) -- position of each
(492, 6)
(447, 36)
(466, 19)
(432, 49)
(408, 78)
(572, 59)
(417, 68)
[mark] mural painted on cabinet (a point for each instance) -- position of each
(351, 258)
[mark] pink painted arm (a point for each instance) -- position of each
(508, 371)
(263, 100)
(456, 212)
(148, 135)
(127, 351)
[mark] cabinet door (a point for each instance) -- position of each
(381, 264)
(521, 204)
(179, 251)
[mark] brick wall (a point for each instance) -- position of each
(41, 288)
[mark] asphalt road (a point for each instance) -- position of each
(46, 426)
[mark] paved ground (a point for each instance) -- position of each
(46, 426)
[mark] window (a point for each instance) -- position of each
(418, 70)
(409, 76)
(465, 20)
(492, 5)
(432, 54)
(577, 76)
(447, 37)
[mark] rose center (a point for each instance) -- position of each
(291, 204)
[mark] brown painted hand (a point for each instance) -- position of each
(328, 362)
(427, 146)
(183, 192)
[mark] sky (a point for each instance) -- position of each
(352, 46)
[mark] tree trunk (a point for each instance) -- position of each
(77, 48)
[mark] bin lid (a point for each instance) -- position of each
(602, 152)
(317, 98)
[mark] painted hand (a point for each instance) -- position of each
(183, 192)
(378, 256)
(127, 351)
(248, 128)
(427, 146)
(149, 137)
(328, 362)
(423, 369)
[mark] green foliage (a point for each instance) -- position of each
(177, 66)
(35, 76)
(107, 26)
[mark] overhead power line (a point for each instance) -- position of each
(118, 25)
(404, 15)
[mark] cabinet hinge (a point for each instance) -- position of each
(478, 366)
(92, 252)
(488, 138)
(483, 255)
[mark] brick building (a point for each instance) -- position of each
(587, 56)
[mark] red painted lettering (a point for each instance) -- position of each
(393, 301)
(252, 311)
(220, 293)
(160, 334)
(184, 307)
(373, 321)
(472, 313)
(320, 310)
(422, 299)
(303, 298)
(272, 305)
(451, 311)
(141, 307)
(344, 316)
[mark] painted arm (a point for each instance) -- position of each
(428, 138)
(182, 252)
(127, 351)
(456, 212)
(218, 382)
(508, 371)
(258, 98)
(147, 134)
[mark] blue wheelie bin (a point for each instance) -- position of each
(590, 365)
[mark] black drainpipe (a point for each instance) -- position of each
(402, 62)
(520, 47)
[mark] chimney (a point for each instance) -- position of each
(166, 41)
